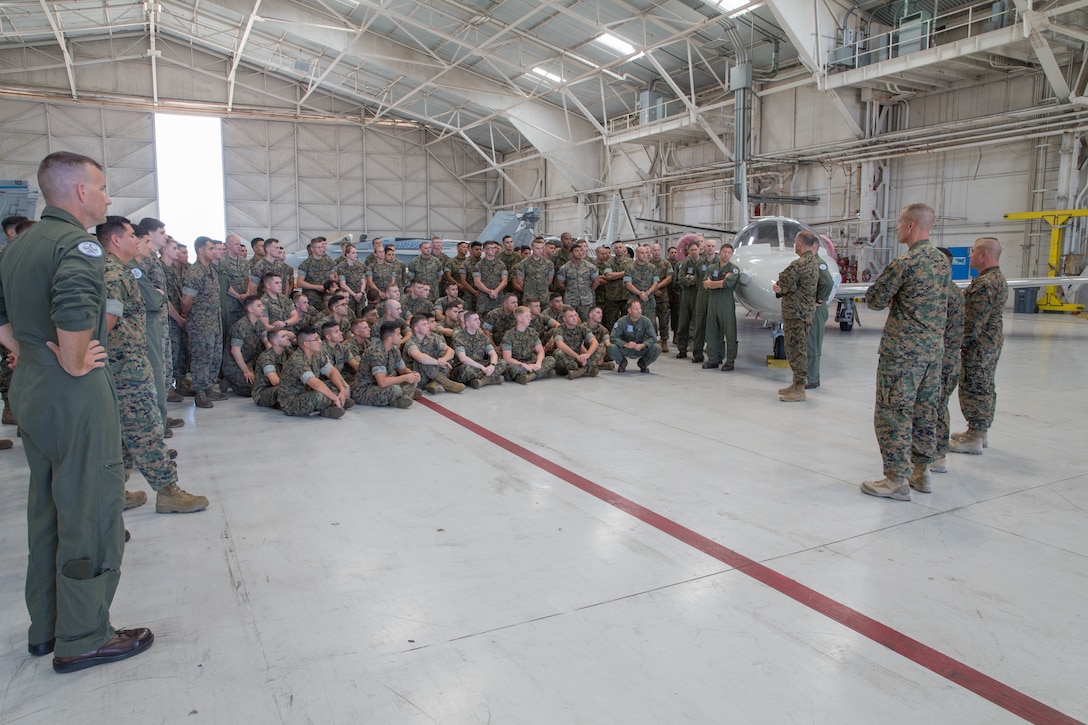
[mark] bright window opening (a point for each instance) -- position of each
(189, 169)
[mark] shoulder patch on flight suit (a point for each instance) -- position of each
(137, 273)
(91, 249)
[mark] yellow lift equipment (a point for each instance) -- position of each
(1057, 221)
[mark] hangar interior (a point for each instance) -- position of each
(501, 593)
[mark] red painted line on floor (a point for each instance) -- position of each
(963, 675)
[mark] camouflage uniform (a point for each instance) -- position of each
(387, 362)
(642, 332)
(179, 338)
(287, 274)
(415, 305)
(236, 272)
(204, 325)
(249, 339)
(798, 283)
(615, 294)
(336, 354)
(498, 323)
(491, 274)
(950, 362)
(815, 344)
(278, 308)
(316, 271)
(578, 339)
(661, 297)
(258, 268)
(434, 345)
(385, 275)
(535, 277)
(429, 270)
(356, 351)
(295, 396)
(983, 336)
(476, 347)
(344, 324)
(522, 346)
(354, 276)
(686, 271)
(721, 321)
(142, 427)
(643, 277)
(444, 301)
(511, 260)
(457, 267)
(600, 296)
(154, 298)
(577, 279)
(264, 393)
(908, 385)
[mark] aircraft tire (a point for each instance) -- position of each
(780, 348)
(846, 326)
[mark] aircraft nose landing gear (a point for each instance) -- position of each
(845, 314)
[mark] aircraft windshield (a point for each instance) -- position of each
(775, 232)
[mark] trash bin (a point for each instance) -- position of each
(1025, 300)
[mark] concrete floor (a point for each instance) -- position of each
(669, 548)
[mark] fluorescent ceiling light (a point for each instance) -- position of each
(619, 45)
(549, 76)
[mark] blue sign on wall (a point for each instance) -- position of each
(961, 263)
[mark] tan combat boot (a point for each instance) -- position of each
(173, 500)
(8, 418)
(971, 442)
(526, 378)
(919, 479)
(893, 488)
(134, 499)
(664, 345)
(448, 385)
(202, 400)
(794, 394)
(939, 466)
(786, 390)
(576, 373)
(432, 387)
(985, 437)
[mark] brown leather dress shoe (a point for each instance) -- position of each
(125, 643)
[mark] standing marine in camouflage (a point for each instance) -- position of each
(641, 281)
(908, 376)
(142, 428)
(428, 269)
(316, 270)
(534, 275)
(950, 366)
(478, 362)
(796, 286)
(721, 318)
(578, 279)
(615, 293)
(383, 378)
(815, 343)
(200, 299)
(662, 301)
(351, 274)
(983, 336)
(489, 277)
(235, 269)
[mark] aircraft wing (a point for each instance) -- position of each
(850, 290)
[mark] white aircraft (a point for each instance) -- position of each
(764, 247)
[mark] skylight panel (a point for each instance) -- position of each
(548, 76)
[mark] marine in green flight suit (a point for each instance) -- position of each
(53, 314)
